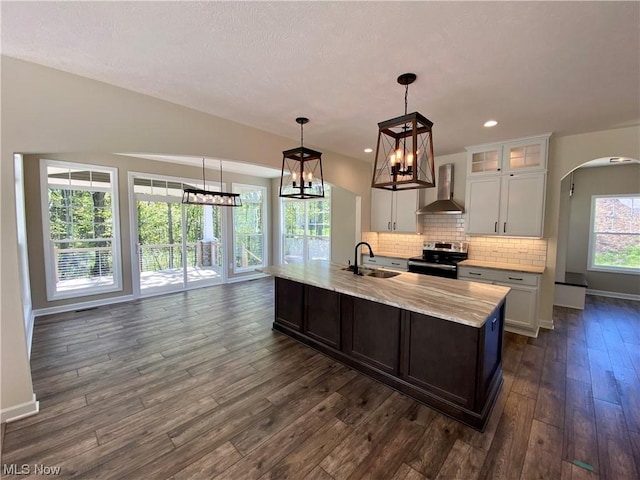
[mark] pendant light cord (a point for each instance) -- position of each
(301, 136)
(406, 96)
(220, 175)
(204, 182)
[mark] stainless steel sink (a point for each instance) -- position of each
(382, 274)
(372, 272)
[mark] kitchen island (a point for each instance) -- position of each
(435, 339)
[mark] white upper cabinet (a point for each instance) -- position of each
(528, 155)
(517, 156)
(506, 188)
(395, 211)
(484, 160)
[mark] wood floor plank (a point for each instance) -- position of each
(463, 462)
(265, 457)
(345, 457)
(603, 379)
(405, 472)
(615, 453)
(308, 454)
(551, 394)
(580, 436)
(509, 447)
(527, 379)
(542, 460)
(386, 457)
(432, 449)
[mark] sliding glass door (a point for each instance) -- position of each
(178, 246)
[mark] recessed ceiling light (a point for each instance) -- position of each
(490, 123)
(619, 159)
(368, 150)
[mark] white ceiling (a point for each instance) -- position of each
(562, 67)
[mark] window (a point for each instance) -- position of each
(80, 226)
(614, 244)
(306, 229)
(249, 248)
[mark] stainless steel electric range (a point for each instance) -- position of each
(439, 259)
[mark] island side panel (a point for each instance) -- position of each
(322, 315)
(374, 334)
(490, 359)
(289, 303)
(441, 356)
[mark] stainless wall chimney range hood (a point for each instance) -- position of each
(444, 204)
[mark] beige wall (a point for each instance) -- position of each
(619, 179)
(46, 110)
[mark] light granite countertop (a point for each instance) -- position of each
(514, 267)
(468, 303)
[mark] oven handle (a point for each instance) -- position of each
(432, 265)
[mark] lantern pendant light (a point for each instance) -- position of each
(301, 175)
(404, 155)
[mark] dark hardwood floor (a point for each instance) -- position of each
(196, 385)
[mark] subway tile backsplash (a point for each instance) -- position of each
(526, 251)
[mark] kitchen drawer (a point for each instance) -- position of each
(386, 262)
(501, 276)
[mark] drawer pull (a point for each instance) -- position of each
(474, 273)
(515, 278)
(394, 263)
(493, 324)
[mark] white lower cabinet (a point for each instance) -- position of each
(522, 301)
(391, 263)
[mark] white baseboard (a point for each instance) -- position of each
(548, 324)
(246, 277)
(22, 410)
(623, 296)
(521, 331)
(82, 306)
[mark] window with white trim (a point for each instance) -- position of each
(306, 229)
(614, 243)
(80, 227)
(249, 232)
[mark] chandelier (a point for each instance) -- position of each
(301, 175)
(404, 155)
(196, 196)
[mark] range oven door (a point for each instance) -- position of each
(434, 269)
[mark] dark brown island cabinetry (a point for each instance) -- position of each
(452, 367)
